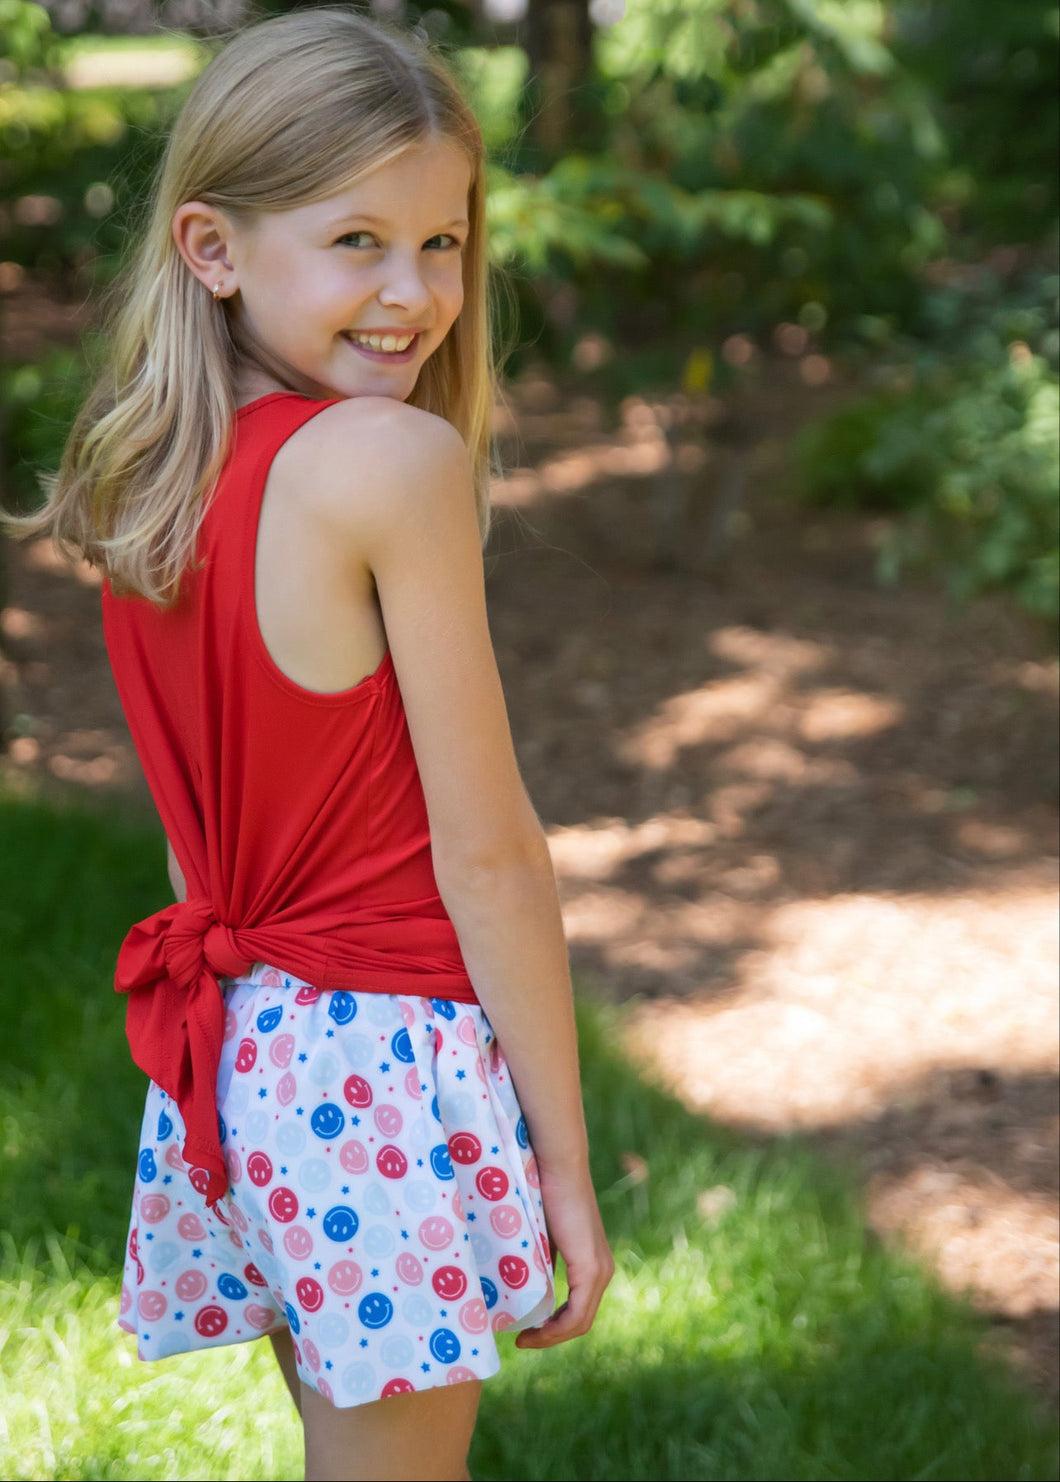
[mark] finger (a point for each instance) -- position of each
(572, 1319)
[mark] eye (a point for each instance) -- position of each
(443, 242)
(356, 239)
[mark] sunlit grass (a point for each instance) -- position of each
(770, 1337)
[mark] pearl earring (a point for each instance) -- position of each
(216, 292)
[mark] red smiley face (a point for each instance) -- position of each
(397, 1387)
(253, 1275)
(514, 1271)
(357, 1091)
(449, 1282)
(246, 1055)
(199, 1180)
(492, 1183)
(391, 1162)
(307, 995)
(464, 1147)
(259, 1169)
(210, 1322)
(283, 1205)
(310, 1294)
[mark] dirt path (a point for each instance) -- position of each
(806, 828)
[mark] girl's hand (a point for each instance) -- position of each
(577, 1233)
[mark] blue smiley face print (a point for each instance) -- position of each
(327, 1120)
(340, 1223)
(375, 1310)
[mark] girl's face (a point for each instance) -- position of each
(354, 292)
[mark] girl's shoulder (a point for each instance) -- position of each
(375, 462)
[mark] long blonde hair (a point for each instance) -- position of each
(289, 112)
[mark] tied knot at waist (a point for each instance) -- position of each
(195, 941)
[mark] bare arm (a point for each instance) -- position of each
(412, 521)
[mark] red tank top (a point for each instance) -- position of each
(297, 818)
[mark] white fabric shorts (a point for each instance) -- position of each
(383, 1202)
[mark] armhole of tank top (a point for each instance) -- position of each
(261, 461)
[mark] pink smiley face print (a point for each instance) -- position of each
(506, 1221)
(298, 1243)
(191, 1227)
(151, 1306)
(408, 1268)
(258, 1317)
(191, 1285)
(345, 1277)
(473, 1316)
(436, 1232)
(281, 1049)
(389, 1120)
(353, 1156)
(154, 1208)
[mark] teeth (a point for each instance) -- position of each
(390, 344)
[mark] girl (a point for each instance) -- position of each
(283, 476)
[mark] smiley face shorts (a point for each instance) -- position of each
(383, 1200)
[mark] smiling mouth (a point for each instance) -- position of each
(396, 345)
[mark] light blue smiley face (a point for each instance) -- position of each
(324, 1068)
(397, 1351)
(171, 1344)
(378, 1241)
(314, 1175)
(290, 1139)
(358, 1050)
(420, 1196)
(332, 1330)
(380, 1010)
(236, 1098)
(358, 1380)
(417, 1310)
(374, 1199)
(256, 1126)
(375, 1310)
(164, 1253)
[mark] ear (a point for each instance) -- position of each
(202, 235)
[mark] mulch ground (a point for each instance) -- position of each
(804, 828)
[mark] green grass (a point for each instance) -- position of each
(779, 1342)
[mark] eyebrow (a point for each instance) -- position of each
(382, 221)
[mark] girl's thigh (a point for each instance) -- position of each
(423, 1436)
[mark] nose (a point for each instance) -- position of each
(404, 286)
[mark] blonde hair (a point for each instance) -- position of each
(289, 112)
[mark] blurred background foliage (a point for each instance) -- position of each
(674, 193)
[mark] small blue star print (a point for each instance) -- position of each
(472, 1216)
(303, 1057)
(316, 1265)
(474, 1353)
(525, 1244)
(196, 1254)
(263, 1093)
(331, 1034)
(168, 1178)
(384, 1066)
(300, 1111)
(461, 1075)
(284, 1172)
(345, 1188)
(404, 1234)
(328, 1364)
(375, 1271)
(178, 1316)
(364, 1342)
(426, 1368)
(356, 1121)
(310, 1214)
(149, 1236)
(419, 1162)
(494, 1150)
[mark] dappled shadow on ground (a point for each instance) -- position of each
(807, 825)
